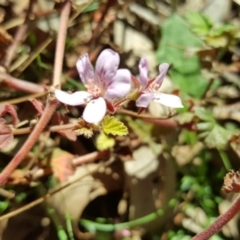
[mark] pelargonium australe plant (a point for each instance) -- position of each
(106, 84)
(109, 87)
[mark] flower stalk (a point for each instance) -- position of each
(220, 222)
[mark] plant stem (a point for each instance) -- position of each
(21, 85)
(61, 43)
(50, 106)
(49, 110)
(27, 130)
(220, 222)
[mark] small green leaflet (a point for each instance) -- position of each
(214, 135)
(104, 142)
(111, 125)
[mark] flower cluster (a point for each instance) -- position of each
(108, 85)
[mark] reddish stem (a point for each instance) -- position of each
(60, 43)
(22, 131)
(221, 221)
(21, 85)
(49, 110)
(90, 157)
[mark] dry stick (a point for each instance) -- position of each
(23, 99)
(18, 37)
(90, 157)
(21, 66)
(51, 193)
(221, 221)
(51, 105)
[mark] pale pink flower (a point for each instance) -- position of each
(149, 89)
(105, 84)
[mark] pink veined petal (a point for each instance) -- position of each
(143, 70)
(168, 100)
(85, 69)
(144, 100)
(120, 85)
(74, 99)
(106, 66)
(163, 68)
(95, 110)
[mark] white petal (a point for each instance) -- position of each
(168, 100)
(74, 99)
(95, 110)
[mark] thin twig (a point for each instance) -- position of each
(90, 157)
(23, 99)
(6, 193)
(148, 116)
(221, 221)
(51, 193)
(18, 37)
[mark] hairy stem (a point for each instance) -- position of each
(21, 85)
(27, 130)
(60, 43)
(220, 222)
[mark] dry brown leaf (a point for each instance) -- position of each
(58, 119)
(10, 109)
(61, 163)
(37, 105)
(6, 135)
(73, 199)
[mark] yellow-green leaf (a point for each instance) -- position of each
(104, 142)
(111, 125)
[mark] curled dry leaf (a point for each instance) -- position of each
(58, 119)
(37, 105)
(61, 163)
(10, 109)
(6, 135)
(84, 128)
(232, 182)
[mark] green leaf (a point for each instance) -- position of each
(193, 83)
(185, 117)
(205, 115)
(177, 39)
(111, 125)
(225, 28)
(201, 24)
(104, 142)
(217, 137)
(3, 205)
